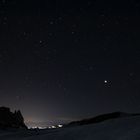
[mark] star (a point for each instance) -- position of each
(24, 33)
(51, 22)
(131, 74)
(103, 24)
(60, 18)
(105, 81)
(73, 32)
(91, 68)
(40, 41)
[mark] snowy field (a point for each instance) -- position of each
(117, 129)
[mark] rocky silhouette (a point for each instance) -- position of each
(9, 119)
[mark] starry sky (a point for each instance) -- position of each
(68, 60)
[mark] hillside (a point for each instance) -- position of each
(127, 128)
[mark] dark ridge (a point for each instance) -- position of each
(9, 119)
(101, 118)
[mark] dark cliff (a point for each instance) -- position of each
(9, 119)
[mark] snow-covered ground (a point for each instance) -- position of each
(117, 129)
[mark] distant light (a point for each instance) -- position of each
(60, 125)
(57, 126)
(53, 127)
(34, 127)
(38, 127)
(42, 127)
(105, 81)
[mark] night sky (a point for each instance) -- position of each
(64, 60)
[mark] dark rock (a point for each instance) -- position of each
(9, 119)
